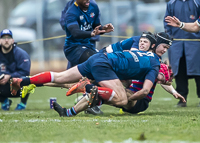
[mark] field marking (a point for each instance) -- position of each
(17, 112)
(130, 140)
(73, 120)
(165, 99)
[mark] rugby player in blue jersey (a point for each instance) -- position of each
(82, 23)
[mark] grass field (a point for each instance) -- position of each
(162, 122)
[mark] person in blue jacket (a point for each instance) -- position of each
(14, 62)
(183, 54)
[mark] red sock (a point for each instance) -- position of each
(41, 78)
(106, 93)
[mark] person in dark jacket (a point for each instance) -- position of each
(184, 52)
(14, 62)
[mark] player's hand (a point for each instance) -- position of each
(108, 28)
(97, 31)
(178, 96)
(5, 79)
(173, 21)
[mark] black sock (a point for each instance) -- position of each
(24, 100)
(89, 87)
(26, 81)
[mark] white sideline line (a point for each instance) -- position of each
(165, 99)
(130, 140)
(12, 113)
(73, 120)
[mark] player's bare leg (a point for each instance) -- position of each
(88, 100)
(67, 86)
(69, 76)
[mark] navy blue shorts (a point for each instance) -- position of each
(74, 55)
(141, 105)
(97, 68)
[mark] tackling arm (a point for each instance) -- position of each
(143, 92)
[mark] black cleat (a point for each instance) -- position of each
(181, 104)
(94, 99)
(94, 111)
(61, 111)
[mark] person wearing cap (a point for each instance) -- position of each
(185, 49)
(14, 62)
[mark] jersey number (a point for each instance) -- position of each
(146, 54)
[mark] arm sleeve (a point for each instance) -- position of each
(167, 13)
(73, 27)
(23, 64)
(152, 74)
(77, 33)
(136, 40)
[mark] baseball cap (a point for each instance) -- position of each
(6, 32)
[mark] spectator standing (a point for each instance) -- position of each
(183, 54)
(14, 62)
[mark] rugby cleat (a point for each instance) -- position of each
(78, 87)
(61, 111)
(6, 104)
(94, 111)
(93, 99)
(15, 85)
(28, 89)
(20, 106)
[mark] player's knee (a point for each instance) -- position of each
(122, 100)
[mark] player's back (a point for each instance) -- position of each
(133, 64)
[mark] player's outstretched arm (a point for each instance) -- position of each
(171, 90)
(189, 27)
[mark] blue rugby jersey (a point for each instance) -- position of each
(137, 85)
(16, 63)
(126, 44)
(139, 65)
(84, 19)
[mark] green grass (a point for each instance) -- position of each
(162, 122)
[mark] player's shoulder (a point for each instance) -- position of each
(73, 8)
(94, 6)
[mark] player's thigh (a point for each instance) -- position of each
(67, 76)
